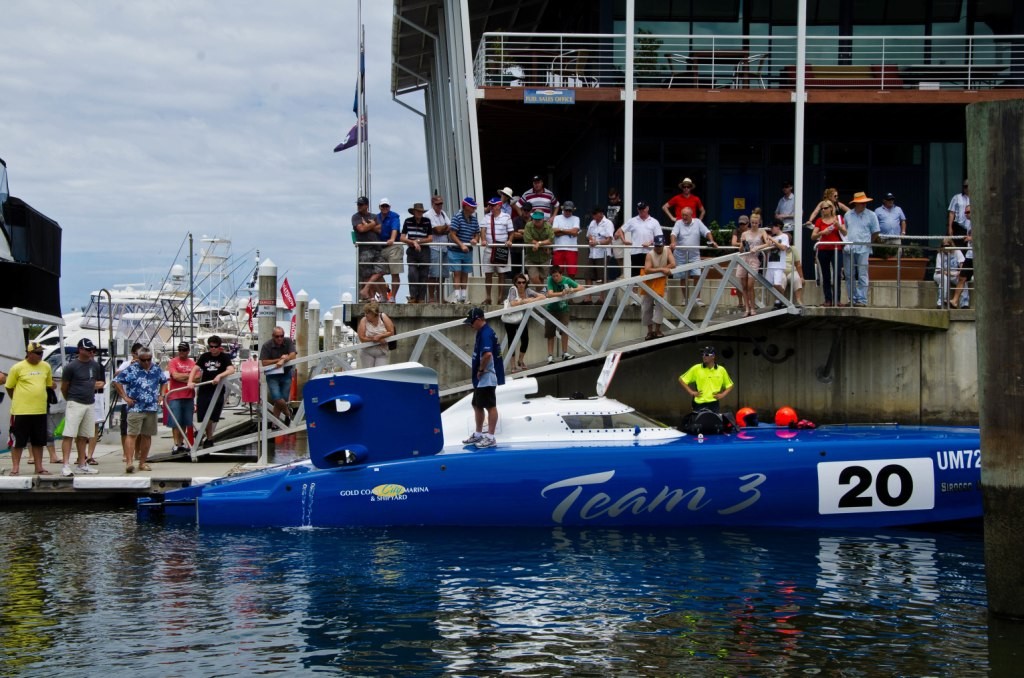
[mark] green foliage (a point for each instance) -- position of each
(722, 234)
(648, 54)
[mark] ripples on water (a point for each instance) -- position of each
(92, 591)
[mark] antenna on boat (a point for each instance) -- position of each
(604, 380)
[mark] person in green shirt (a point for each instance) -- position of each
(538, 233)
(710, 381)
(558, 285)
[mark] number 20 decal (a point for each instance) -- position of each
(876, 485)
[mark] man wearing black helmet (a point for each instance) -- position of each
(711, 382)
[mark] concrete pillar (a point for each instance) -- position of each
(328, 321)
(995, 167)
(313, 336)
(301, 332)
(266, 309)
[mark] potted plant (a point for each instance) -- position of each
(886, 263)
(648, 53)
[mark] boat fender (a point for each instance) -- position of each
(250, 381)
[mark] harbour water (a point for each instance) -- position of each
(84, 590)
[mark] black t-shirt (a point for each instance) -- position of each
(212, 365)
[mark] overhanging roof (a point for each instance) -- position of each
(413, 50)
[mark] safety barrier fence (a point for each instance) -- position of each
(870, 62)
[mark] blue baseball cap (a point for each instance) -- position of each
(469, 201)
(474, 314)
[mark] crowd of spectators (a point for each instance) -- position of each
(534, 231)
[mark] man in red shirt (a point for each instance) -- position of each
(673, 209)
(179, 397)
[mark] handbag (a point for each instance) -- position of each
(393, 344)
(499, 255)
(512, 317)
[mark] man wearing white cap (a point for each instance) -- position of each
(390, 230)
(673, 209)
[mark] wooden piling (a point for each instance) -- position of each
(995, 162)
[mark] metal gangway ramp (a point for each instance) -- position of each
(592, 343)
(595, 342)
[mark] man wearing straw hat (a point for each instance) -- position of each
(861, 229)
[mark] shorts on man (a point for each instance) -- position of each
(549, 327)
(393, 255)
(279, 386)
(371, 262)
(203, 403)
(776, 276)
(79, 420)
(439, 263)
(181, 412)
(484, 397)
(496, 268)
(566, 260)
(142, 424)
(683, 257)
(460, 262)
(29, 429)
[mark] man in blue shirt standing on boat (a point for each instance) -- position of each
(488, 372)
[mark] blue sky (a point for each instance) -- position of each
(133, 123)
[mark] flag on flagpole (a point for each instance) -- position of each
(248, 312)
(293, 327)
(360, 80)
(352, 138)
(286, 295)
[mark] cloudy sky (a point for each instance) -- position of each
(135, 123)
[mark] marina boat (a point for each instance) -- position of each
(383, 454)
(30, 260)
(160, 315)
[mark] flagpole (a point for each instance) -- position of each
(360, 179)
(365, 148)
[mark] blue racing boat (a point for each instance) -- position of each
(382, 453)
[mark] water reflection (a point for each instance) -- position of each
(173, 601)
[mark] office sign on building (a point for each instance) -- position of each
(549, 96)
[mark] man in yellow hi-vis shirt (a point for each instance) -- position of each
(710, 382)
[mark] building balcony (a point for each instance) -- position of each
(880, 69)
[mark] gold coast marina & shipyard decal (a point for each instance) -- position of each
(385, 492)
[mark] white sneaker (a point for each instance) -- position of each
(66, 471)
(85, 469)
(567, 356)
(551, 359)
(475, 438)
(486, 441)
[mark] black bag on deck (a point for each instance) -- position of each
(703, 421)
